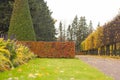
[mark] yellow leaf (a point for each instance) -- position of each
(47, 74)
(40, 75)
(31, 75)
(19, 70)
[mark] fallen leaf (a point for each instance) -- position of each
(47, 74)
(62, 71)
(31, 76)
(16, 78)
(19, 70)
(10, 78)
(72, 78)
(40, 75)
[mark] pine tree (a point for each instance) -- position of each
(64, 32)
(98, 24)
(90, 26)
(42, 20)
(21, 25)
(75, 27)
(83, 29)
(82, 32)
(61, 31)
(70, 33)
(78, 31)
(6, 7)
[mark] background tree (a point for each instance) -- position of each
(69, 33)
(105, 40)
(82, 32)
(6, 7)
(75, 27)
(42, 20)
(61, 31)
(64, 33)
(98, 24)
(41, 16)
(78, 31)
(21, 23)
(111, 35)
(90, 27)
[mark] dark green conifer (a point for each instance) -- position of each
(21, 25)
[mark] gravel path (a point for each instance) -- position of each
(109, 66)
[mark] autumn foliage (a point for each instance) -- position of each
(13, 55)
(52, 49)
(105, 40)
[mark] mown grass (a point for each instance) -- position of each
(54, 69)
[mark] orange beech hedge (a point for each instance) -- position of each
(51, 49)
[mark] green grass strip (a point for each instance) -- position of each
(54, 69)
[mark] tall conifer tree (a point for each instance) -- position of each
(42, 20)
(5, 14)
(90, 26)
(21, 26)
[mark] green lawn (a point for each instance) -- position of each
(54, 69)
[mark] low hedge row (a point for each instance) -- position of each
(52, 49)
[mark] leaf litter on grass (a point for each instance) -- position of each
(61, 69)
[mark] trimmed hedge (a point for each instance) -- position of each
(21, 26)
(51, 49)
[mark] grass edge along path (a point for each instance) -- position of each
(54, 69)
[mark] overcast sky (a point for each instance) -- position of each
(96, 10)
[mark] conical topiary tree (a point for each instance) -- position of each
(21, 25)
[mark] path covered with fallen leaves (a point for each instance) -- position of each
(109, 66)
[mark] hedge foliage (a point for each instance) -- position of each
(13, 55)
(21, 26)
(52, 49)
